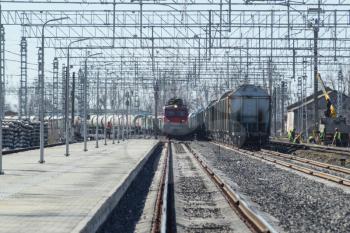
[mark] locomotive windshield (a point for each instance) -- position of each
(175, 113)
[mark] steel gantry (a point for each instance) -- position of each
(200, 47)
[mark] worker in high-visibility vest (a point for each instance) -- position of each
(323, 135)
(297, 138)
(291, 135)
(336, 138)
(311, 139)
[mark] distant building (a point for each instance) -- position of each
(301, 114)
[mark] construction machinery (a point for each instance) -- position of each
(332, 121)
(331, 111)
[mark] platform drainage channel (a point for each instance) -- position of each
(128, 212)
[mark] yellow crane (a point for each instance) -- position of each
(330, 112)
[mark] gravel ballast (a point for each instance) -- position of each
(298, 203)
(128, 212)
(199, 205)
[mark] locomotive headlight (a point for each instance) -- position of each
(175, 106)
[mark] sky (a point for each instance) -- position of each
(13, 36)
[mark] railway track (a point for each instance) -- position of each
(294, 201)
(193, 198)
(160, 219)
(303, 165)
(277, 144)
(309, 161)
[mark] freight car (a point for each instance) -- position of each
(196, 124)
(135, 124)
(240, 117)
(144, 123)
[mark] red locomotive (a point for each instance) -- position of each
(175, 118)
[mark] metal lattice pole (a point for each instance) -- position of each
(300, 98)
(23, 93)
(85, 103)
(41, 104)
(55, 96)
(283, 89)
(316, 32)
(55, 89)
(63, 89)
(66, 109)
(80, 94)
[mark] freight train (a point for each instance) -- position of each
(135, 124)
(241, 117)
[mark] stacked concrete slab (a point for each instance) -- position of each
(22, 134)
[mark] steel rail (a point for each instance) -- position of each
(336, 150)
(308, 171)
(309, 161)
(255, 221)
(160, 216)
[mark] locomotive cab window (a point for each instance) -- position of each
(169, 113)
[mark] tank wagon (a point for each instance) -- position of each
(54, 127)
(145, 123)
(240, 117)
(135, 123)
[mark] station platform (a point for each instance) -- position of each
(67, 194)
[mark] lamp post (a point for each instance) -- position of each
(105, 107)
(118, 138)
(127, 102)
(113, 109)
(97, 104)
(41, 85)
(123, 127)
(119, 129)
(118, 115)
(155, 122)
(85, 98)
(105, 103)
(67, 96)
(130, 108)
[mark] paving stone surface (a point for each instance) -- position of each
(59, 194)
